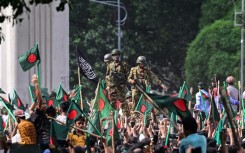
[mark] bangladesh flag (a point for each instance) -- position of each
(185, 92)
(102, 103)
(6, 103)
(75, 95)
(143, 105)
(173, 104)
(15, 100)
(96, 124)
(44, 92)
(61, 95)
(2, 124)
(1, 91)
(73, 113)
(29, 58)
(57, 132)
(109, 133)
(53, 102)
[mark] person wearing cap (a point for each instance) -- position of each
(26, 128)
(116, 84)
(202, 99)
(143, 77)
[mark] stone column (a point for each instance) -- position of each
(50, 29)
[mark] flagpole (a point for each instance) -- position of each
(64, 124)
(167, 138)
(39, 75)
(154, 103)
(189, 103)
(96, 94)
(79, 82)
(229, 116)
(113, 132)
(9, 111)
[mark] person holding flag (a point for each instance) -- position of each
(202, 100)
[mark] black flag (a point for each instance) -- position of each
(85, 68)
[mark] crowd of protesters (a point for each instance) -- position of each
(33, 128)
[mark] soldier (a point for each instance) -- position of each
(143, 77)
(126, 105)
(107, 59)
(116, 85)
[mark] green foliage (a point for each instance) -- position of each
(213, 10)
(214, 51)
(159, 30)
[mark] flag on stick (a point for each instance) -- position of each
(15, 100)
(173, 104)
(29, 58)
(85, 67)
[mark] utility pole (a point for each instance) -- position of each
(241, 25)
(120, 21)
(119, 25)
(242, 47)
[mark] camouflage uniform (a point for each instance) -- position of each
(115, 79)
(143, 77)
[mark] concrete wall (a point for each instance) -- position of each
(50, 29)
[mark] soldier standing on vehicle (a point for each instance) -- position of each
(116, 85)
(143, 77)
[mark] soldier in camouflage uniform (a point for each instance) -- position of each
(107, 59)
(143, 77)
(116, 72)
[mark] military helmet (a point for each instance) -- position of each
(108, 57)
(115, 52)
(128, 94)
(230, 80)
(141, 59)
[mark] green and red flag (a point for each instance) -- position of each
(57, 132)
(15, 100)
(61, 95)
(185, 92)
(173, 104)
(44, 92)
(95, 118)
(2, 124)
(1, 91)
(53, 102)
(102, 103)
(29, 58)
(73, 113)
(143, 106)
(110, 132)
(7, 103)
(75, 94)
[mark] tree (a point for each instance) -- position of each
(214, 51)
(159, 30)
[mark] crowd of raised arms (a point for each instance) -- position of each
(125, 116)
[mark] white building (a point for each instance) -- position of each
(50, 29)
